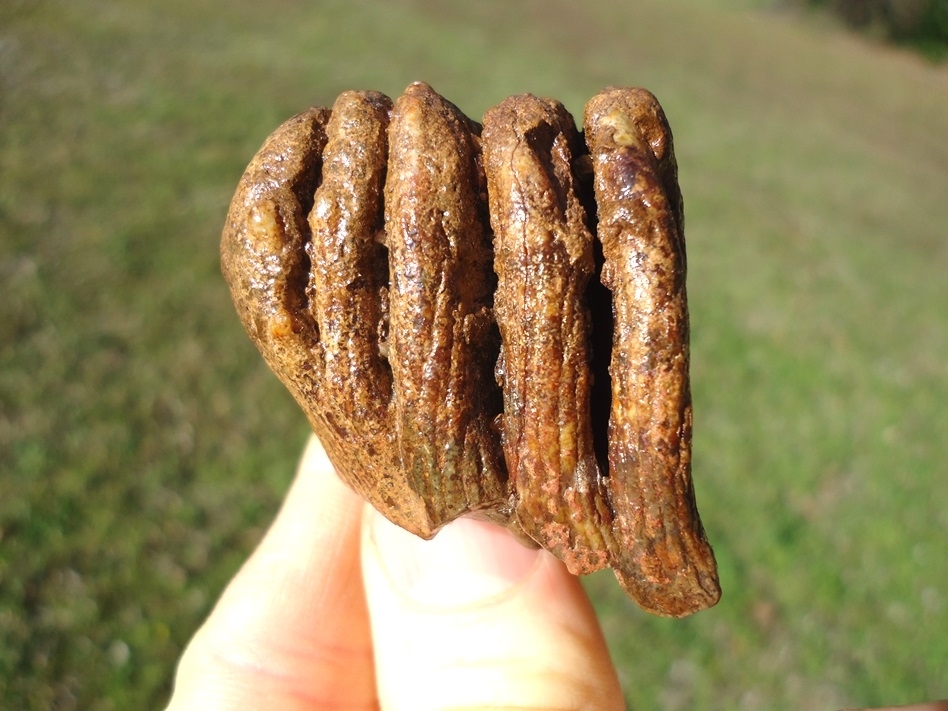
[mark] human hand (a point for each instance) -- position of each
(470, 620)
(339, 609)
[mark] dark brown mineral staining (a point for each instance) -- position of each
(487, 323)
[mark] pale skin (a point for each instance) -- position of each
(339, 609)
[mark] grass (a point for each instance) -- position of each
(144, 446)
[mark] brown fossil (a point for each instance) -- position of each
(487, 323)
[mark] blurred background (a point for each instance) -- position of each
(144, 445)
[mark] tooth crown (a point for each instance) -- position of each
(487, 322)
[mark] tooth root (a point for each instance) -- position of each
(262, 249)
(665, 561)
(348, 266)
(441, 349)
(544, 260)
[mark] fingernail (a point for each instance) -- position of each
(468, 562)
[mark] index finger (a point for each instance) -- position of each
(291, 630)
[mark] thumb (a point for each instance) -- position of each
(474, 620)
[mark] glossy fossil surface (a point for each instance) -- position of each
(488, 322)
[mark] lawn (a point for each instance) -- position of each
(144, 446)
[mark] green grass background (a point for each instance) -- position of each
(144, 446)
